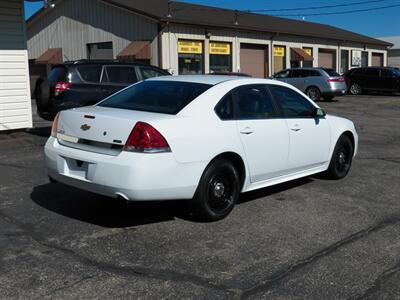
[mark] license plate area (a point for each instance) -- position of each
(76, 168)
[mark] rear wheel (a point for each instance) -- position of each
(42, 94)
(313, 93)
(355, 89)
(341, 158)
(217, 192)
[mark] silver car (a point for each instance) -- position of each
(314, 82)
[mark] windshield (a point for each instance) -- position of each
(396, 71)
(332, 72)
(166, 97)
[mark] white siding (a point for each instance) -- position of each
(72, 24)
(15, 100)
(394, 58)
(11, 25)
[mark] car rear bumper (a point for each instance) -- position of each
(132, 176)
(334, 93)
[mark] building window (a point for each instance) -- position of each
(344, 61)
(220, 57)
(100, 50)
(279, 58)
(364, 59)
(190, 57)
(308, 63)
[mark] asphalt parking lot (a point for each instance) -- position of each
(312, 238)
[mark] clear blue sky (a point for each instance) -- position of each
(373, 23)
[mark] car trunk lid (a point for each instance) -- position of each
(93, 128)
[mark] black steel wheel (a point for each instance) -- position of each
(217, 192)
(342, 158)
(355, 89)
(313, 93)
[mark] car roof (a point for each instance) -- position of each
(105, 62)
(206, 79)
(213, 79)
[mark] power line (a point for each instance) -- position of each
(338, 12)
(317, 7)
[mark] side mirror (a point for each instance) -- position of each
(319, 112)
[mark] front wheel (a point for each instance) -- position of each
(217, 192)
(341, 158)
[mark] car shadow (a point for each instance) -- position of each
(100, 210)
(40, 131)
(117, 213)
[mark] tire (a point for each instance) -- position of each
(328, 98)
(42, 94)
(313, 93)
(355, 89)
(217, 192)
(341, 159)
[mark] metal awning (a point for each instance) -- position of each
(299, 54)
(51, 56)
(136, 50)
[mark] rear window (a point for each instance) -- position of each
(119, 74)
(58, 74)
(332, 72)
(90, 73)
(166, 97)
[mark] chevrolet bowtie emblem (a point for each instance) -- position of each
(85, 127)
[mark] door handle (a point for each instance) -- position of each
(246, 130)
(295, 127)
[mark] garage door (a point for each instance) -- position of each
(377, 59)
(253, 60)
(326, 59)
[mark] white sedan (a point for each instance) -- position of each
(204, 138)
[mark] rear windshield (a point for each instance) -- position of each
(58, 74)
(166, 97)
(332, 72)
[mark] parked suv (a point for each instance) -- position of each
(314, 82)
(86, 82)
(373, 79)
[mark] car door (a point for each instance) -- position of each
(296, 79)
(373, 81)
(86, 89)
(264, 137)
(390, 81)
(309, 137)
(116, 77)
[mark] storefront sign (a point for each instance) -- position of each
(308, 51)
(220, 48)
(279, 51)
(192, 47)
(356, 57)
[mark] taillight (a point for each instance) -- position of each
(54, 126)
(145, 138)
(338, 79)
(61, 87)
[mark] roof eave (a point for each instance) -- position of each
(255, 29)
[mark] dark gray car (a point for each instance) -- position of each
(314, 82)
